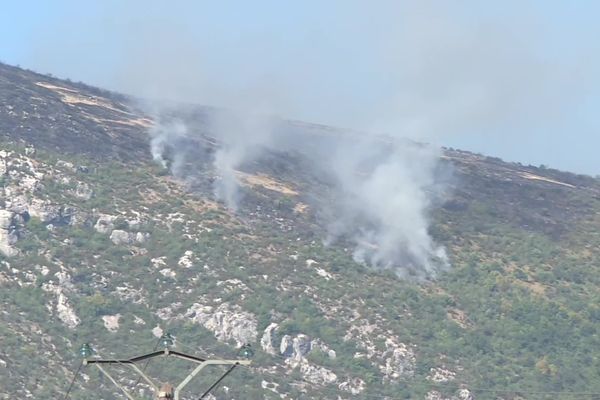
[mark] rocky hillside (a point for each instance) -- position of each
(101, 244)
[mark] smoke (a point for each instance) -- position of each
(385, 194)
(243, 135)
(420, 70)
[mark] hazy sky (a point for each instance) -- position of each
(514, 79)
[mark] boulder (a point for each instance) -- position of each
(268, 340)
(8, 233)
(45, 211)
(83, 191)
(105, 223)
(120, 237)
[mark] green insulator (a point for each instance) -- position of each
(246, 352)
(167, 340)
(86, 350)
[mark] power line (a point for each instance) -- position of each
(73, 381)
(146, 364)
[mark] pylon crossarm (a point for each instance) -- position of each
(114, 382)
(129, 361)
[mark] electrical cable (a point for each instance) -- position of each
(139, 379)
(73, 381)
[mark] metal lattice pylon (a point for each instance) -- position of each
(166, 391)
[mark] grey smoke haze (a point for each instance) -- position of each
(437, 76)
(243, 135)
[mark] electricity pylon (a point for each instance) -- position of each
(165, 391)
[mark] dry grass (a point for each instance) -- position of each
(266, 182)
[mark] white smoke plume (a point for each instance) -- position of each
(242, 136)
(423, 70)
(386, 198)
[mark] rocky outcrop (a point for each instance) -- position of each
(64, 311)
(399, 359)
(120, 237)
(268, 339)
(16, 203)
(295, 349)
(111, 322)
(354, 385)
(50, 213)
(227, 322)
(83, 191)
(441, 375)
(8, 233)
(462, 394)
(317, 374)
(105, 223)
(186, 259)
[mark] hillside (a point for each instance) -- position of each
(102, 244)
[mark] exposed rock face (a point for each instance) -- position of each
(228, 322)
(8, 233)
(267, 341)
(462, 394)
(399, 360)
(316, 374)
(64, 310)
(105, 223)
(83, 191)
(441, 375)
(45, 211)
(111, 322)
(354, 386)
(295, 349)
(395, 361)
(157, 331)
(120, 237)
(186, 260)
(16, 203)
(318, 344)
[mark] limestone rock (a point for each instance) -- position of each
(17, 203)
(142, 237)
(318, 344)
(228, 322)
(317, 374)
(8, 233)
(267, 341)
(120, 237)
(186, 260)
(400, 360)
(462, 394)
(45, 211)
(64, 310)
(66, 165)
(83, 191)
(105, 223)
(354, 385)
(111, 322)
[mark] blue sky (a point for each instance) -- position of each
(514, 79)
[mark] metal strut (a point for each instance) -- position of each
(165, 353)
